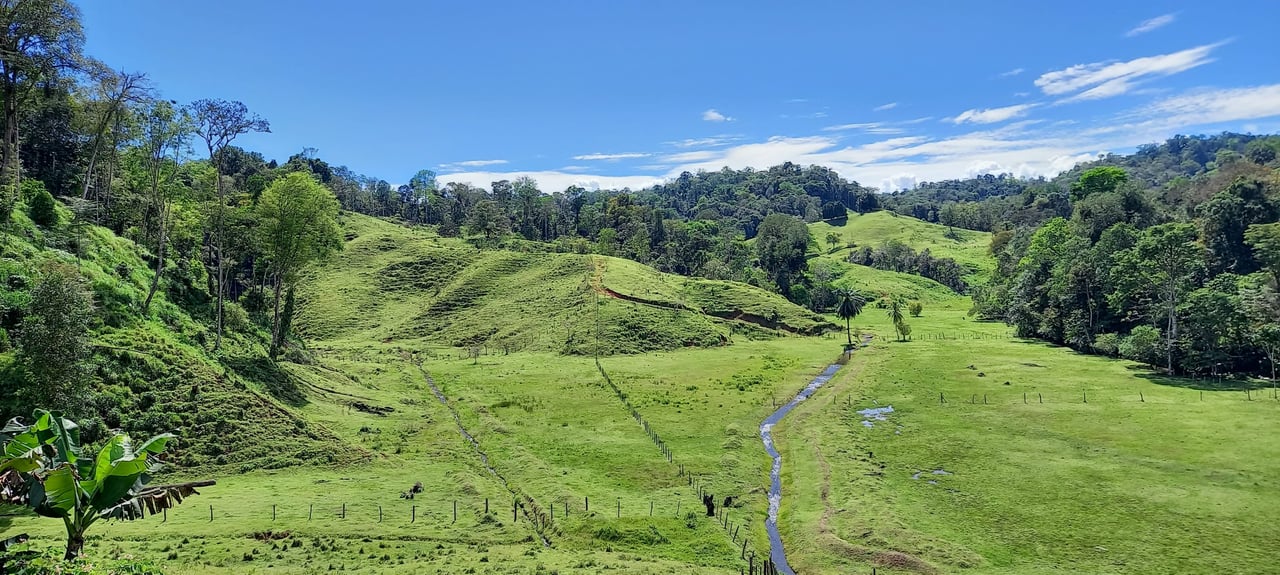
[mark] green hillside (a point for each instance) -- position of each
(398, 284)
(967, 247)
(154, 372)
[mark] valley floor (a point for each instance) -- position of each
(1151, 475)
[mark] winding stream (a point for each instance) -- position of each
(776, 554)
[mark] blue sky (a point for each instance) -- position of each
(627, 93)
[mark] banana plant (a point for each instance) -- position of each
(42, 466)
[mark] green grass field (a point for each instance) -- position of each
(967, 247)
(1146, 477)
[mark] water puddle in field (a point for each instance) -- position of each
(776, 554)
(871, 415)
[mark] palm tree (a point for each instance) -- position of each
(896, 305)
(851, 304)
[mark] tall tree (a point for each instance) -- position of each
(781, 242)
(1159, 269)
(1265, 241)
(37, 38)
(115, 91)
(299, 225)
(219, 122)
(165, 132)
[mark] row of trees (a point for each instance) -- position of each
(893, 255)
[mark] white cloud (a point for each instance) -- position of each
(1025, 148)
(1013, 72)
(479, 163)
(889, 106)
(686, 157)
(554, 181)
(1213, 106)
(471, 164)
(902, 181)
(712, 115)
(709, 142)
(1152, 24)
(611, 157)
(857, 126)
(868, 127)
(1107, 79)
(992, 115)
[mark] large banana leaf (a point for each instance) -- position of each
(62, 494)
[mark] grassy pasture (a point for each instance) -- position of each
(1146, 477)
(967, 247)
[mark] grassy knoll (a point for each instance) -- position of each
(1144, 478)
(966, 247)
(393, 283)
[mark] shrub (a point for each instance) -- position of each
(915, 308)
(1107, 344)
(43, 210)
(30, 189)
(1142, 345)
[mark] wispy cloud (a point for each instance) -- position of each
(1107, 79)
(554, 180)
(1223, 105)
(709, 142)
(1013, 72)
(471, 164)
(992, 115)
(611, 157)
(797, 100)
(1152, 24)
(868, 127)
(883, 107)
(712, 115)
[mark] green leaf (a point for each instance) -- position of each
(61, 494)
(113, 450)
(155, 444)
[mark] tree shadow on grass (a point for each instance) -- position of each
(276, 381)
(1223, 383)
